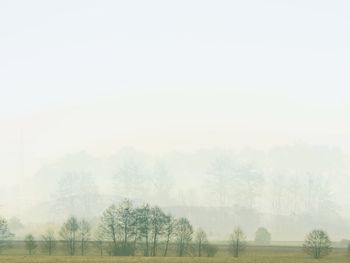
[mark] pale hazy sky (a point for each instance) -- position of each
(169, 75)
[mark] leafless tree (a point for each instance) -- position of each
(169, 230)
(143, 224)
(84, 233)
(5, 233)
(125, 216)
(68, 233)
(108, 228)
(317, 244)
(238, 243)
(30, 243)
(158, 220)
(49, 242)
(201, 240)
(183, 235)
(99, 238)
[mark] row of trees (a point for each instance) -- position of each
(126, 229)
(317, 243)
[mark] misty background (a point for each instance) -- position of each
(229, 113)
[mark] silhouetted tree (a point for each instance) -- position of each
(84, 233)
(169, 229)
(317, 244)
(157, 221)
(99, 237)
(5, 233)
(143, 224)
(201, 240)
(68, 233)
(126, 222)
(125, 225)
(30, 243)
(183, 235)
(108, 228)
(238, 243)
(49, 242)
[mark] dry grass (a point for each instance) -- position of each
(280, 258)
(273, 254)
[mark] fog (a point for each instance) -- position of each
(227, 113)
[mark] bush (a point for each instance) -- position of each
(211, 250)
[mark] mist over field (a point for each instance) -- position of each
(288, 189)
(228, 113)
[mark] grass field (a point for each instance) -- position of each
(253, 254)
(287, 258)
(337, 256)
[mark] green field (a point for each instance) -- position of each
(287, 258)
(266, 255)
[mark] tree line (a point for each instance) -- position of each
(129, 228)
(125, 230)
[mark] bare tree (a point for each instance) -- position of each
(126, 218)
(125, 225)
(30, 243)
(84, 233)
(5, 233)
(157, 221)
(49, 242)
(68, 233)
(201, 240)
(143, 217)
(317, 244)
(183, 234)
(108, 228)
(169, 229)
(99, 237)
(238, 243)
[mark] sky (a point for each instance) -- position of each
(169, 76)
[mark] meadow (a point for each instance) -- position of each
(287, 258)
(252, 255)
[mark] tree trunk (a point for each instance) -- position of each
(147, 246)
(199, 248)
(154, 244)
(166, 246)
